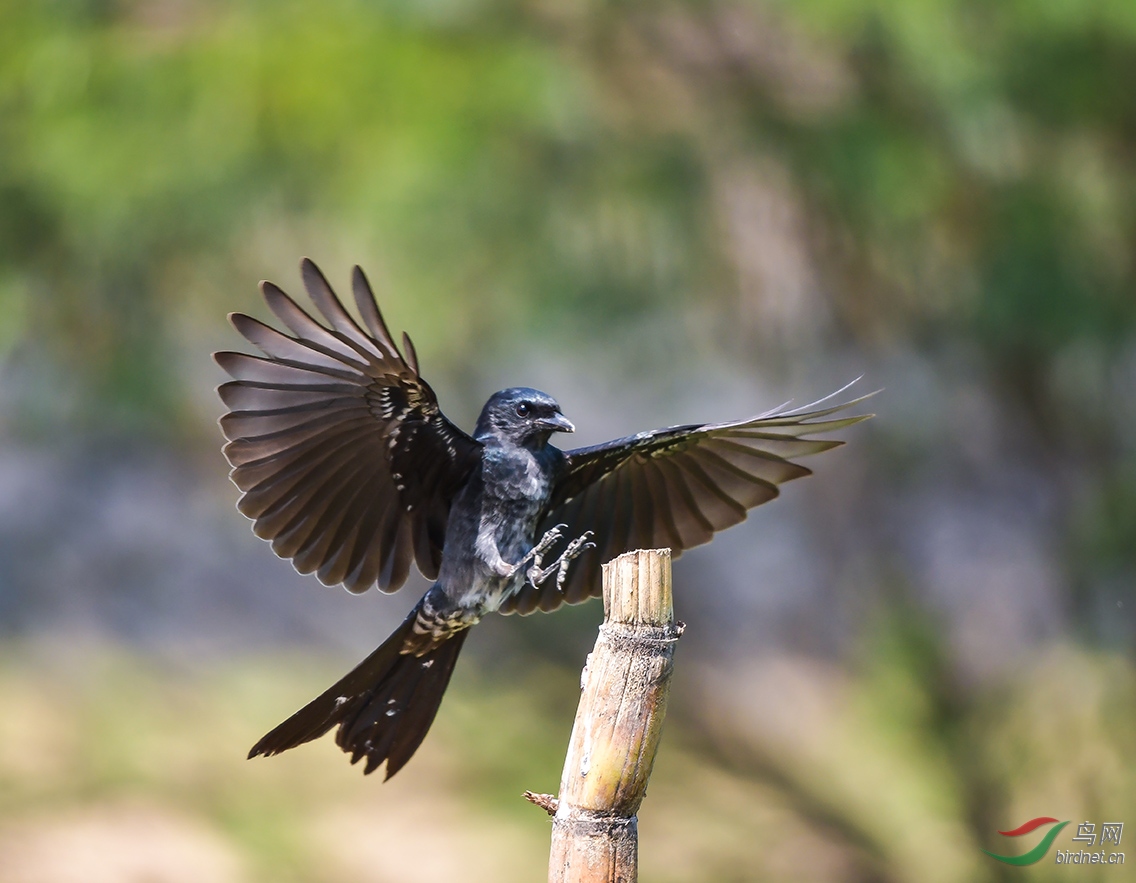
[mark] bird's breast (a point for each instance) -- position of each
(519, 478)
(494, 517)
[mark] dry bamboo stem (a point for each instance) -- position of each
(618, 724)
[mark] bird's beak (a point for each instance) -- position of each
(557, 423)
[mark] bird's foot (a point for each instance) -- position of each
(537, 575)
(535, 554)
(546, 542)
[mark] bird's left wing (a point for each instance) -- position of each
(345, 461)
(674, 487)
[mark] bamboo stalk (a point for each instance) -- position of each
(618, 724)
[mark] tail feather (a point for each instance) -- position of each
(383, 707)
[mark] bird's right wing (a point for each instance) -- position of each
(674, 487)
(344, 459)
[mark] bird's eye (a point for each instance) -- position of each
(523, 409)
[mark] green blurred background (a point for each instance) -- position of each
(659, 212)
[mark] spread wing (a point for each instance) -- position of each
(674, 487)
(343, 458)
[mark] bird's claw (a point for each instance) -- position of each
(537, 575)
(534, 555)
(547, 541)
(575, 548)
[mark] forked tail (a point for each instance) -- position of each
(384, 706)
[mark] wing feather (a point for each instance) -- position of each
(270, 374)
(676, 487)
(260, 477)
(300, 323)
(248, 398)
(663, 525)
(345, 463)
(368, 309)
(299, 499)
(328, 304)
(289, 349)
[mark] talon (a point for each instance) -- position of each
(548, 540)
(537, 575)
(578, 546)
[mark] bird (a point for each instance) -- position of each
(348, 467)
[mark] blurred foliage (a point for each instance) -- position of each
(951, 166)
(853, 779)
(911, 772)
(946, 178)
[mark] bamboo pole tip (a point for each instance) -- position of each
(637, 588)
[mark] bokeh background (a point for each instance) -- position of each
(660, 212)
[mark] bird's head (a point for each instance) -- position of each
(521, 415)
